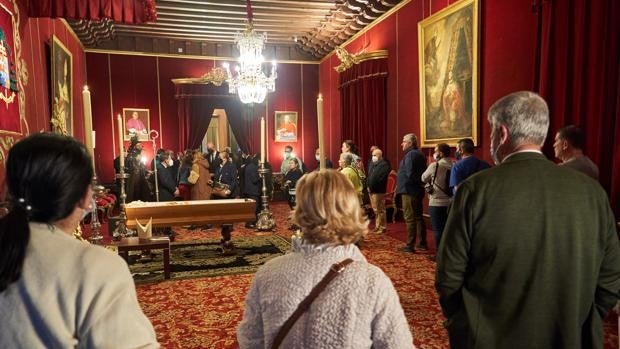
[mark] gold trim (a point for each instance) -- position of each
(64, 21)
(159, 107)
(170, 55)
(58, 124)
(216, 76)
(301, 70)
(21, 73)
(364, 77)
(368, 27)
(348, 60)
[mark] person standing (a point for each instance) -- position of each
(409, 185)
(252, 185)
(348, 169)
(436, 176)
(378, 172)
(568, 147)
(467, 163)
(530, 256)
(201, 188)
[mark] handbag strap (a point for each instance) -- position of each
(335, 269)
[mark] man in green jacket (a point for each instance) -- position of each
(529, 257)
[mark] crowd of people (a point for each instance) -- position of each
(528, 253)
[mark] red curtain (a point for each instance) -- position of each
(363, 95)
(579, 76)
(124, 11)
(195, 109)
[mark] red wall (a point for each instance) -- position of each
(35, 36)
(128, 81)
(507, 47)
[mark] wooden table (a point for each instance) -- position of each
(163, 243)
(196, 212)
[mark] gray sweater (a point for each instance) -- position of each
(358, 309)
(72, 294)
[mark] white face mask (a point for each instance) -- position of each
(375, 158)
(436, 157)
(317, 158)
(169, 162)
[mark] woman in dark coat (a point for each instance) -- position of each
(227, 173)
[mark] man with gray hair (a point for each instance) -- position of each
(529, 257)
(409, 185)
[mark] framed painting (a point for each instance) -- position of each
(11, 94)
(448, 57)
(286, 126)
(136, 123)
(62, 88)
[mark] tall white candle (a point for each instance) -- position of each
(119, 120)
(94, 143)
(88, 122)
(262, 139)
(319, 120)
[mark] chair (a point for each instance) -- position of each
(390, 194)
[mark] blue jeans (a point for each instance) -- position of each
(439, 216)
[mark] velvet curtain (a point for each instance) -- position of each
(363, 95)
(195, 109)
(124, 11)
(578, 75)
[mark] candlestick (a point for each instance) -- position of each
(88, 122)
(93, 136)
(319, 119)
(262, 139)
(119, 120)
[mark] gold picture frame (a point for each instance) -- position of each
(448, 58)
(285, 126)
(140, 127)
(62, 87)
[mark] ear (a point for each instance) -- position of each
(504, 134)
(86, 200)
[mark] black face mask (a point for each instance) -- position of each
(458, 155)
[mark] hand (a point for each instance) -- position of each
(176, 192)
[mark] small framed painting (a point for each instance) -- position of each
(136, 123)
(286, 126)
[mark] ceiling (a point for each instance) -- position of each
(296, 29)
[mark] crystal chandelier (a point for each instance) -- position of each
(249, 81)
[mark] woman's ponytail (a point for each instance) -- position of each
(14, 238)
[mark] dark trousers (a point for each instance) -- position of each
(439, 216)
(259, 204)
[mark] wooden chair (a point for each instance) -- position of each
(390, 194)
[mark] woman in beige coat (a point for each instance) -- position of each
(201, 190)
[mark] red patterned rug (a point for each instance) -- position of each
(205, 312)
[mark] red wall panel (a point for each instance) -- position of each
(35, 35)
(145, 82)
(507, 47)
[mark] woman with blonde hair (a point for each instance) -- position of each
(357, 305)
(201, 177)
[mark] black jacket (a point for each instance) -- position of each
(252, 183)
(377, 176)
(165, 183)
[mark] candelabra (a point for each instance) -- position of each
(154, 135)
(95, 234)
(265, 218)
(121, 229)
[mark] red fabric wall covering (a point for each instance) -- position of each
(135, 85)
(35, 35)
(126, 11)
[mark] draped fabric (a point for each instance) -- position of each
(579, 76)
(124, 11)
(195, 109)
(363, 95)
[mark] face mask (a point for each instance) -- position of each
(287, 154)
(169, 162)
(317, 158)
(457, 155)
(375, 158)
(88, 210)
(436, 157)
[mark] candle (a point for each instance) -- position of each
(319, 120)
(119, 120)
(262, 139)
(88, 122)
(93, 134)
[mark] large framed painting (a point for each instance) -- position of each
(9, 78)
(136, 123)
(286, 126)
(448, 56)
(62, 88)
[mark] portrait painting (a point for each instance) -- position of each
(286, 126)
(136, 123)
(62, 88)
(448, 57)
(9, 85)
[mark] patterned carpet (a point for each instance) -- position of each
(204, 312)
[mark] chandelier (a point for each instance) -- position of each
(250, 82)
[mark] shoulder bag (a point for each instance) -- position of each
(335, 269)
